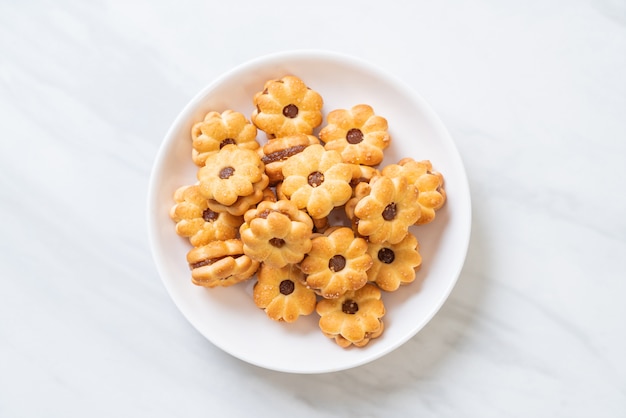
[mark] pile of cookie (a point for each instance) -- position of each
(264, 210)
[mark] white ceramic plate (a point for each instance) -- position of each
(228, 317)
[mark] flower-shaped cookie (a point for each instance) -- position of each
(281, 293)
(354, 318)
(276, 233)
(387, 212)
(276, 151)
(243, 203)
(217, 130)
(231, 173)
(394, 264)
(432, 195)
(317, 180)
(220, 263)
(357, 133)
(196, 221)
(337, 263)
(286, 107)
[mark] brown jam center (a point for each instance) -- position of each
(282, 154)
(209, 216)
(277, 242)
(290, 111)
(390, 212)
(350, 307)
(354, 136)
(201, 263)
(315, 179)
(227, 141)
(386, 255)
(226, 172)
(355, 181)
(337, 263)
(286, 287)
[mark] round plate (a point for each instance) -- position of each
(228, 316)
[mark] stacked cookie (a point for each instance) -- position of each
(265, 210)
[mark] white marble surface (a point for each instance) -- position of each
(533, 93)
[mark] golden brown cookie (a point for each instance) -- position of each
(276, 151)
(361, 190)
(269, 194)
(357, 133)
(394, 264)
(337, 263)
(362, 174)
(354, 318)
(242, 204)
(218, 129)
(286, 107)
(276, 233)
(429, 183)
(388, 210)
(220, 263)
(280, 292)
(231, 173)
(195, 220)
(316, 180)
(320, 225)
